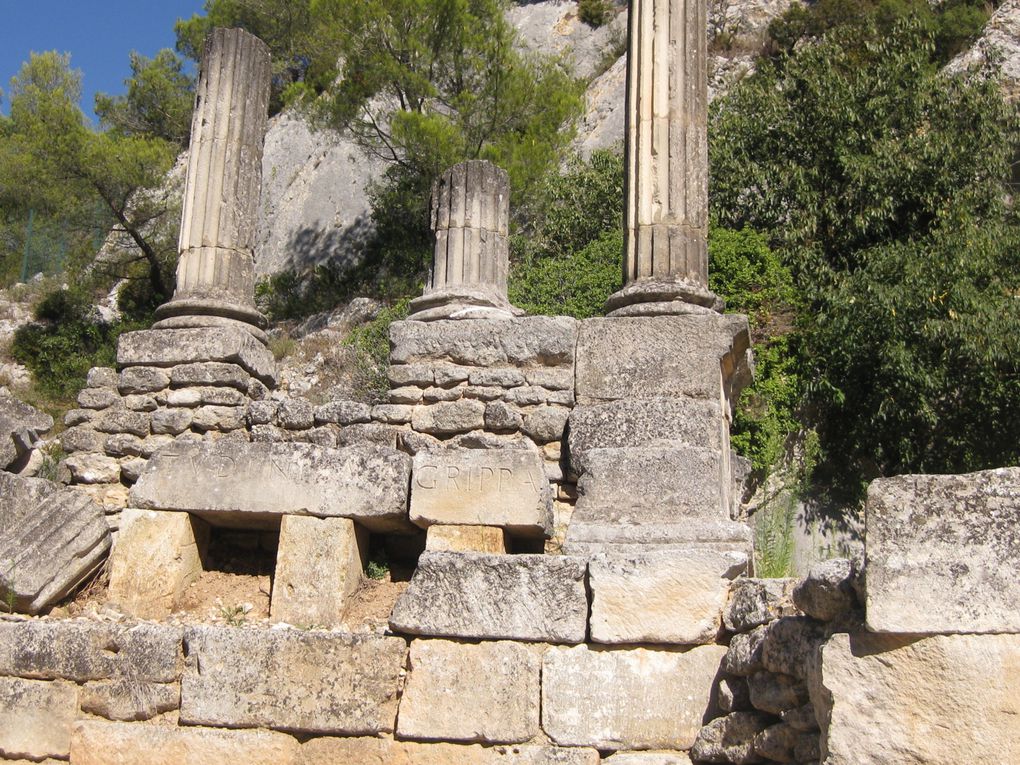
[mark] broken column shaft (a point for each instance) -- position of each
(666, 260)
(216, 270)
(470, 219)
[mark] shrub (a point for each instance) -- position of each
(595, 13)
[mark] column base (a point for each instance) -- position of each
(462, 303)
(656, 297)
(201, 322)
(204, 309)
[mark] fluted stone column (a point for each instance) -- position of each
(666, 260)
(216, 270)
(470, 219)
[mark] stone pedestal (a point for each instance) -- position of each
(470, 216)
(666, 261)
(216, 271)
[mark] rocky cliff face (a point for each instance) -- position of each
(998, 47)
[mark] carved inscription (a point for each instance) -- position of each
(481, 488)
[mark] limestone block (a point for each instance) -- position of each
(448, 417)
(392, 414)
(667, 597)
(78, 417)
(730, 739)
(681, 501)
(142, 380)
(129, 700)
(81, 438)
(655, 422)
(938, 700)
(734, 694)
(502, 377)
(941, 553)
(93, 742)
(791, 646)
(698, 356)
(101, 377)
(827, 591)
(173, 347)
(87, 650)
(156, 557)
(171, 421)
(533, 341)
(317, 682)
(775, 694)
(123, 421)
(370, 434)
(777, 743)
(130, 470)
(296, 414)
(384, 751)
(249, 483)
(801, 719)
(482, 487)
(97, 398)
(51, 540)
(318, 568)
(745, 652)
(140, 403)
(627, 699)
(36, 718)
(758, 601)
(218, 418)
(413, 395)
(500, 416)
(209, 374)
(411, 374)
(551, 378)
(515, 597)
(481, 539)
(546, 423)
(488, 692)
(93, 468)
(648, 758)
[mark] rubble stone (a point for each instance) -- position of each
(546, 423)
(21, 426)
(447, 418)
(142, 380)
(758, 601)
(98, 398)
(775, 693)
(730, 739)
(827, 591)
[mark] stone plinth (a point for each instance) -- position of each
(470, 216)
(216, 270)
(941, 553)
(666, 214)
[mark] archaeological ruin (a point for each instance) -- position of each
(571, 581)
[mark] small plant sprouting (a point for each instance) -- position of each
(236, 615)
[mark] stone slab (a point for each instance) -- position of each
(21, 426)
(83, 650)
(515, 597)
(481, 539)
(385, 751)
(95, 742)
(938, 700)
(700, 356)
(173, 347)
(318, 568)
(487, 487)
(941, 553)
(486, 692)
(156, 557)
(648, 758)
(316, 682)
(666, 597)
(252, 484)
(129, 700)
(51, 540)
(36, 717)
(528, 341)
(651, 423)
(627, 698)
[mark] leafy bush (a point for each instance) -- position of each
(595, 13)
(371, 342)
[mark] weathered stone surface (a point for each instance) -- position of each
(171, 421)
(301, 681)
(101, 377)
(296, 414)
(937, 700)
(94, 742)
(93, 468)
(501, 417)
(801, 719)
(649, 758)
(777, 743)
(97, 398)
(140, 403)
(546, 423)
(517, 597)
(827, 592)
(667, 597)
(481, 539)
(36, 717)
(143, 380)
(700, 356)
(51, 540)
(682, 501)
(129, 700)
(482, 487)
(88, 650)
(370, 434)
(528, 341)
(384, 751)
(448, 417)
(730, 739)
(627, 699)
(78, 417)
(745, 652)
(21, 426)
(209, 374)
(318, 568)
(172, 347)
(411, 374)
(758, 601)
(156, 557)
(122, 421)
(941, 553)
(734, 694)
(392, 414)
(488, 692)
(776, 693)
(218, 418)
(130, 470)
(656, 422)
(247, 481)
(791, 646)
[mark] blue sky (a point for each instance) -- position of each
(99, 35)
